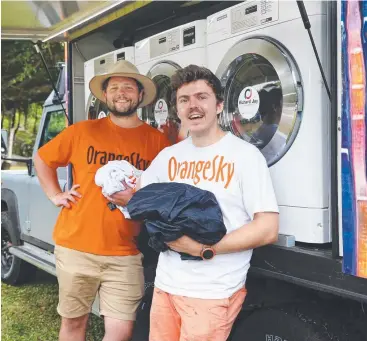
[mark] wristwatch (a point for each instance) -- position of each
(207, 252)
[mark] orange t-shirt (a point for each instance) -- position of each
(90, 226)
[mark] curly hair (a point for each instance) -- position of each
(194, 73)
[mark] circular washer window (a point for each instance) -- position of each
(160, 114)
(262, 96)
(96, 109)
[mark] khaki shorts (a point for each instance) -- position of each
(119, 281)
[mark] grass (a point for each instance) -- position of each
(28, 312)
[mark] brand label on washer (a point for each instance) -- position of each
(248, 102)
(120, 56)
(189, 36)
(161, 111)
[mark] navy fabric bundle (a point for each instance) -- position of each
(171, 210)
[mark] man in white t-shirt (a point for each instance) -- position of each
(200, 300)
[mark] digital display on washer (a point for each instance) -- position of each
(189, 36)
(120, 56)
(251, 9)
(224, 16)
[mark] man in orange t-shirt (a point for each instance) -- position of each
(95, 246)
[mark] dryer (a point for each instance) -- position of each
(275, 98)
(159, 57)
(94, 108)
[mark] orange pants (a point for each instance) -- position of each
(179, 318)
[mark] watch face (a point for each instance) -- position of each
(208, 254)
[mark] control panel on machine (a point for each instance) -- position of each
(254, 13)
(172, 41)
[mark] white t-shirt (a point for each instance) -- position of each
(236, 173)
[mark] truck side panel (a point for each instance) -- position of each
(353, 140)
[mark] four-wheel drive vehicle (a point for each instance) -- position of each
(26, 221)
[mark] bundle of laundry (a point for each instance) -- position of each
(171, 210)
(116, 176)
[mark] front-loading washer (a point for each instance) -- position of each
(275, 99)
(95, 108)
(159, 57)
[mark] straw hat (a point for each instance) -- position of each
(124, 68)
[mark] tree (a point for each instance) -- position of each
(24, 81)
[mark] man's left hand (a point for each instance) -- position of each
(186, 245)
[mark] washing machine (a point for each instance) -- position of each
(275, 99)
(159, 57)
(96, 109)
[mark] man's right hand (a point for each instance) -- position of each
(63, 198)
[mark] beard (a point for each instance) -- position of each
(125, 113)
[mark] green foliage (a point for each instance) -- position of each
(24, 142)
(23, 76)
(26, 135)
(29, 312)
(54, 124)
(57, 122)
(25, 85)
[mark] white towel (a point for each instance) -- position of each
(112, 177)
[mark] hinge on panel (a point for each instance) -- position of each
(28, 225)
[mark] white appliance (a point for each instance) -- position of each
(96, 66)
(158, 57)
(275, 98)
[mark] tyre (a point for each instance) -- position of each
(274, 325)
(13, 270)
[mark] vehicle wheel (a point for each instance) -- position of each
(5, 165)
(274, 325)
(13, 269)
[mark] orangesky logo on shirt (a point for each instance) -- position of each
(101, 157)
(216, 170)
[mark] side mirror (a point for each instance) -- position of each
(29, 163)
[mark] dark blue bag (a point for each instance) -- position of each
(171, 210)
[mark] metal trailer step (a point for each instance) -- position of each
(40, 258)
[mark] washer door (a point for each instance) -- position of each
(262, 95)
(160, 114)
(96, 109)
